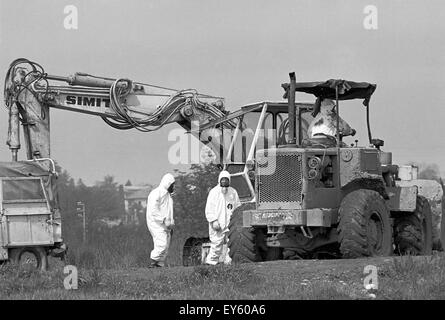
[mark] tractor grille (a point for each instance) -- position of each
(280, 180)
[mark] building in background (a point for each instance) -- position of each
(135, 198)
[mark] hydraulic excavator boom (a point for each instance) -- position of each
(122, 103)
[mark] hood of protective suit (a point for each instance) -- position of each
(159, 209)
(223, 174)
(167, 181)
(326, 121)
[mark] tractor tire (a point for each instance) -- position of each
(242, 241)
(413, 233)
(442, 227)
(192, 252)
(31, 258)
(364, 225)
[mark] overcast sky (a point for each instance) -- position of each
(241, 50)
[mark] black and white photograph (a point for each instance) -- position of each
(219, 156)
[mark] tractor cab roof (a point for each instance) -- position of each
(347, 90)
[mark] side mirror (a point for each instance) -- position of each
(377, 143)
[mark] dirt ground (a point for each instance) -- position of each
(301, 269)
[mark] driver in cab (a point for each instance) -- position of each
(324, 125)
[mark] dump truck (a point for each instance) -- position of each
(30, 219)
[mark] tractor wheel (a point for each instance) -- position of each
(364, 227)
(30, 258)
(442, 227)
(192, 252)
(413, 233)
(242, 241)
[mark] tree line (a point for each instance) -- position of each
(105, 199)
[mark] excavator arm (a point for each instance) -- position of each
(122, 103)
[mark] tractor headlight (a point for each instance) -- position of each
(312, 174)
(314, 162)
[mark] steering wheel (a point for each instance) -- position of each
(283, 132)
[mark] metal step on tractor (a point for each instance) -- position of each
(313, 196)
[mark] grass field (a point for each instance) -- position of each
(109, 248)
(399, 278)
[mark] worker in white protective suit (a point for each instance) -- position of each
(325, 122)
(160, 220)
(221, 202)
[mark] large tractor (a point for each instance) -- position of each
(314, 196)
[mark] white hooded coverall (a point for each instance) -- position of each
(220, 207)
(325, 121)
(160, 209)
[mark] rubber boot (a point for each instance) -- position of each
(154, 264)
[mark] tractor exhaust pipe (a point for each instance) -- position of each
(291, 109)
